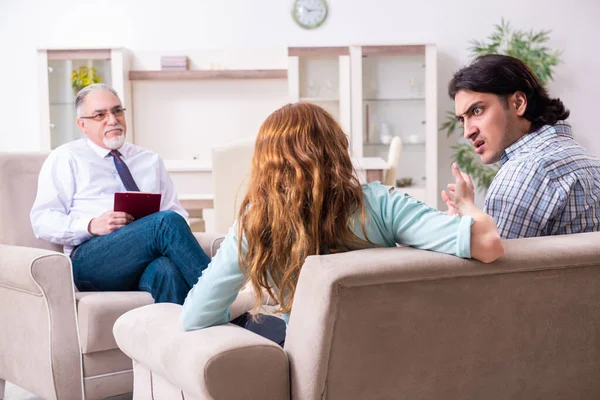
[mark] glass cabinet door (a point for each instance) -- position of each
(393, 99)
(61, 95)
(321, 75)
(57, 69)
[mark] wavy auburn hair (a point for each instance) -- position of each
(302, 195)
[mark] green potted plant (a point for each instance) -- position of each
(529, 47)
(82, 77)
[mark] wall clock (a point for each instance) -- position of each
(309, 14)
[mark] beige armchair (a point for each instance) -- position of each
(397, 323)
(55, 342)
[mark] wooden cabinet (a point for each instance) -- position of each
(376, 93)
(394, 93)
(321, 75)
(57, 97)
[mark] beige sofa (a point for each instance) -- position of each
(54, 341)
(397, 324)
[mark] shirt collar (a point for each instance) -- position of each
(521, 145)
(102, 152)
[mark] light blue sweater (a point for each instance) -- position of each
(390, 218)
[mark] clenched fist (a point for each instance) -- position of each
(109, 222)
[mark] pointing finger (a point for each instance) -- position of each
(456, 173)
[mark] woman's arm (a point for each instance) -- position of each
(400, 218)
(209, 302)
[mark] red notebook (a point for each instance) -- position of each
(137, 204)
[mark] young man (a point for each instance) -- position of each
(109, 250)
(548, 184)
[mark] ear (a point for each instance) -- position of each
(81, 124)
(520, 102)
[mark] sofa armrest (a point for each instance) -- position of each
(220, 362)
(20, 267)
(37, 298)
(209, 242)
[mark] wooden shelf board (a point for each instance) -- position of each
(187, 166)
(395, 99)
(320, 99)
(387, 144)
(318, 51)
(79, 54)
(207, 74)
(190, 202)
(407, 50)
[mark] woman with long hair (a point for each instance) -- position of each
(303, 199)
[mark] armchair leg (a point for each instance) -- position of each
(2, 384)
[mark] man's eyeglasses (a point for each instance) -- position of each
(101, 116)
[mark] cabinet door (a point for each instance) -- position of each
(57, 94)
(321, 75)
(391, 89)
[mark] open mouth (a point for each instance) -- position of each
(113, 131)
(478, 144)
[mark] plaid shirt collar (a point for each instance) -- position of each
(521, 145)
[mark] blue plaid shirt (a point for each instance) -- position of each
(548, 185)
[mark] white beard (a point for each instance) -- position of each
(115, 142)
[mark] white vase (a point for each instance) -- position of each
(385, 134)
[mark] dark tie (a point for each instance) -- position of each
(124, 172)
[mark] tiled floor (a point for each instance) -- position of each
(13, 392)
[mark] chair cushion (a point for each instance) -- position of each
(97, 313)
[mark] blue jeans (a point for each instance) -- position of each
(157, 254)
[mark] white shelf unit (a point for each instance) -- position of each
(57, 98)
(321, 75)
(394, 89)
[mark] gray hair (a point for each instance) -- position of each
(87, 90)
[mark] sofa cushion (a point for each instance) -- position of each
(105, 362)
(97, 313)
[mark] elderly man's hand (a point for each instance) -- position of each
(109, 222)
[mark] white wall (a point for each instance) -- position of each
(183, 25)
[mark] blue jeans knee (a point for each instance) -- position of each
(171, 218)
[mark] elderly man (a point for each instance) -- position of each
(548, 184)
(110, 251)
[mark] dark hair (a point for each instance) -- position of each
(505, 75)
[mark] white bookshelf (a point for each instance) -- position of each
(321, 75)
(226, 95)
(394, 89)
(57, 98)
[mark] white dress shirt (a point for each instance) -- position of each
(78, 181)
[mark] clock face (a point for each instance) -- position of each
(309, 14)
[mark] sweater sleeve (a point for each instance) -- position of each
(208, 302)
(402, 219)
